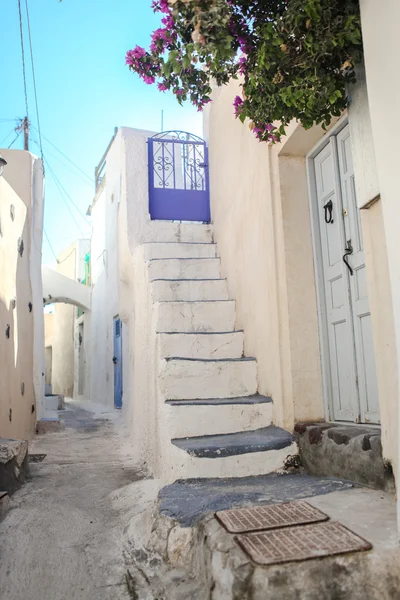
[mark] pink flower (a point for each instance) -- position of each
(149, 79)
(237, 103)
(168, 21)
(162, 87)
(160, 6)
(133, 55)
(242, 64)
(179, 92)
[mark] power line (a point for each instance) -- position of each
(49, 243)
(68, 195)
(65, 156)
(63, 198)
(68, 255)
(34, 83)
(64, 164)
(23, 55)
(15, 139)
(7, 136)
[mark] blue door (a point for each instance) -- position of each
(178, 177)
(117, 360)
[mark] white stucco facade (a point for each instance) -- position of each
(22, 350)
(260, 197)
(379, 24)
(62, 288)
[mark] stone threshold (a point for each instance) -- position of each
(352, 451)
(188, 554)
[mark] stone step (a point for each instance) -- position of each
(201, 345)
(190, 419)
(4, 504)
(182, 378)
(54, 402)
(156, 250)
(188, 317)
(231, 455)
(233, 444)
(254, 399)
(14, 465)
(192, 233)
(192, 290)
(184, 268)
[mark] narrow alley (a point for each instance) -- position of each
(63, 536)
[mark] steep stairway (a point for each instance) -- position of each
(213, 422)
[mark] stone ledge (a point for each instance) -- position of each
(54, 402)
(351, 452)
(49, 425)
(14, 465)
(5, 504)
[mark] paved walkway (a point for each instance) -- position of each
(63, 538)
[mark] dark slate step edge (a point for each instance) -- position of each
(218, 360)
(184, 243)
(191, 279)
(244, 400)
(234, 444)
(191, 301)
(201, 332)
(187, 258)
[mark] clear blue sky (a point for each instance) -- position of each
(84, 91)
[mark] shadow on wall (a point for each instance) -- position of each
(17, 398)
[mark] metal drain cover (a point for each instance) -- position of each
(300, 543)
(272, 516)
(35, 458)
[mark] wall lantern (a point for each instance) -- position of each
(3, 163)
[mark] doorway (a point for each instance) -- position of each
(348, 355)
(117, 360)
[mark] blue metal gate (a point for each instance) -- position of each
(178, 177)
(117, 360)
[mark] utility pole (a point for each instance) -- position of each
(25, 125)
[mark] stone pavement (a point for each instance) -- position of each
(63, 537)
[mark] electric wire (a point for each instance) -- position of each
(7, 136)
(15, 139)
(63, 198)
(66, 157)
(63, 163)
(23, 56)
(56, 179)
(34, 84)
(68, 195)
(64, 259)
(49, 243)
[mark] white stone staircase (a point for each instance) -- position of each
(212, 421)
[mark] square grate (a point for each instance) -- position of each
(272, 516)
(300, 543)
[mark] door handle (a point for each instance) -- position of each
(328, 208)
(349, 250)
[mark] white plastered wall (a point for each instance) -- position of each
(63, 287)
(261, 240)
(379, 23)
(260, 199)
(24, 367)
